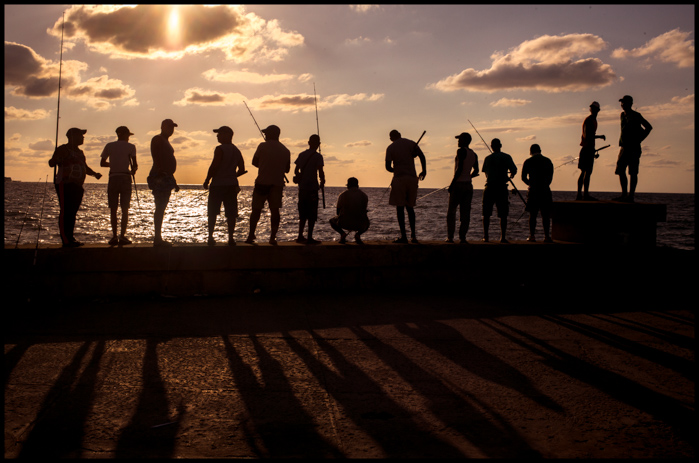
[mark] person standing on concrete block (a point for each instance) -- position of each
(161, 179)
(587, 155)
(537, 173)
(351, 212)
(496, 167)
(120, 157)
(273, 161)
(634, 129)
(309, 167)
(400, 160)
(68, 180)
(461, 188)
(225, 168)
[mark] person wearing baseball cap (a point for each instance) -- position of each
(634, 129)
(161, 179)
(461, 188)
(273, 161)
(351, 212)
(226, 166)
(587, 155)
(120, 157)
(537, 173)
(70, 169)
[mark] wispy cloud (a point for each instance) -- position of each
(671, 47)
(509, 102)
(12, 113)
(173, 31)
(545, 63)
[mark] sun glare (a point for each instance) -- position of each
(173, 25)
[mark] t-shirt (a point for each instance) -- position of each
(72, 166)
(537, 172)
(273, 160)
(496, 166)
(309, 162)
(402, 152)
(469, 161)
(631, 130)
(120, 153)
(226, 174)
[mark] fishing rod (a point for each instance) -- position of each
(286, 180)
(315, 100)
(415, 146)
(133, 175)
(431, 193)
(26, 213)
(58, 109)
(575, 159)
(491, 152)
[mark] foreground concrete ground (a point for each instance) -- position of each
(407, 372)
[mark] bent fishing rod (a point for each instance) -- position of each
(58, 108)
(286, 180)
(315, 100)
(508, 177)
(411, 152)
(576, 158)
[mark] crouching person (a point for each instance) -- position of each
(351, 212)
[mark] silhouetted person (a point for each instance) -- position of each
(537, 173)
(400, 159)
(351, 212)
(120, 157)
(309, 167)
(273, 160)
(586, 160)
(461, 188)
(161, 179)
(634, 129)
(496, 167)
(225, 168)
(72, 170)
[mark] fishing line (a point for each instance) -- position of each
(416, 143)
(27, 212)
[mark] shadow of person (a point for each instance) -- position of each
(60, 425)
(277, 424)
(151, 433)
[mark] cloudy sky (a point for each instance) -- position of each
(525, 74)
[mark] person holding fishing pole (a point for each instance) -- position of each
(461, 188)
(496, 167)
(309, 166)
(273, 161)
(72, 170)
(537, 173)
(119, 156)
(400, 160)
(161, 179)
(588, 153)
(226, 167)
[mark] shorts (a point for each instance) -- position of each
(119, 192)
(498, 196)
(308, 204)
(586, 159)
(226, 195)
(161, 197)
(629, 157)
(272, 194)
(539, 200)
(403, 191)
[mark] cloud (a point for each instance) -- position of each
(201, 97)
(173, 31)
(358, 144)
(306, 102)
(363, 8)
(509, 102)
(670, 47)
(677, 106)
(545, 63)
(246, 76)
(43, 145)
(12, 113)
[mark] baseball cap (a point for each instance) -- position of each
(352, 181)
(224, 129)
(272, 129)
(75, 130)
(627, 98)
(463, 135)
(168, 122)
(123, 129)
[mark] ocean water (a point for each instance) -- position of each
(31, 216)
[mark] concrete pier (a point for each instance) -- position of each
(196, 269)
(606, 222)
